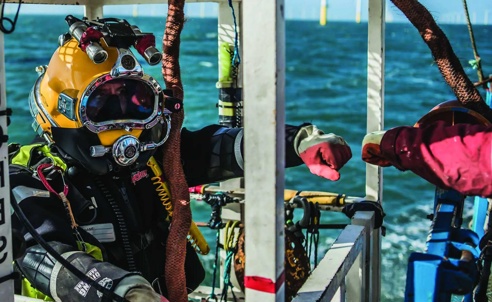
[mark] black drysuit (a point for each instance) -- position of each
(119, 213)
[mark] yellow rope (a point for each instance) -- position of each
(230, 235)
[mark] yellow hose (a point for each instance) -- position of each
(195, 237)
(322, 198)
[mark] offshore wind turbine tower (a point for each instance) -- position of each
(357, 11)
(323, 12)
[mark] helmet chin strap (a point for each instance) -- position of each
(127, 148)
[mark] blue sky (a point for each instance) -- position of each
(444, 11)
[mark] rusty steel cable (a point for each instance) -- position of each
(173, 171)
(444, 56)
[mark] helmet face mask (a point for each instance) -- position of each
(121, 103)
(108, 112)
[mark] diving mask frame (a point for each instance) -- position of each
(126, 149)
(126, 67)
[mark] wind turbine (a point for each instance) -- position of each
(357, 11)
(323, 12)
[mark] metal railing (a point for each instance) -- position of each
(349, 269)
(346, 271)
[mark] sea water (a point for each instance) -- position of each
(326, 71)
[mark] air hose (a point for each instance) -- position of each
(195, 237)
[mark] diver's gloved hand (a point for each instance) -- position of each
(323, 154)
(371, 149)
(143, 293)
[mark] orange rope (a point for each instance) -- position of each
(444, 56)
(173, 170)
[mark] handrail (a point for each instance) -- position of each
(337, 275)
(327, 201)
(346, 273)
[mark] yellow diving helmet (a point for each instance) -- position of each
(95, 103)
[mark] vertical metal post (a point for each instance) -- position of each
(365, 219)
(355, 289)
(93, 10)
(263, 27)
(230, 93)
(6, 287)
(375, 122)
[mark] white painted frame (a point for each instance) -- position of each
(342, 273)
(6, 268)
(266, 86)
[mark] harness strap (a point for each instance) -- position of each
(63, 197)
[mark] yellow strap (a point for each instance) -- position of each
(29, 291)
(24, 155)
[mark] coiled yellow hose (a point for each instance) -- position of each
(195, 237)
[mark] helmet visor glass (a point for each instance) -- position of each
(121, 99)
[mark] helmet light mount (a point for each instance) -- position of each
(116, 33)
(88, 39)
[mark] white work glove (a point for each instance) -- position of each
(323, 154)
(136, 289)
(144, 293)
(371, 149)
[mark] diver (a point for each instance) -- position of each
(89, 197)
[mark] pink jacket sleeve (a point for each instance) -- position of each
(451, 157)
